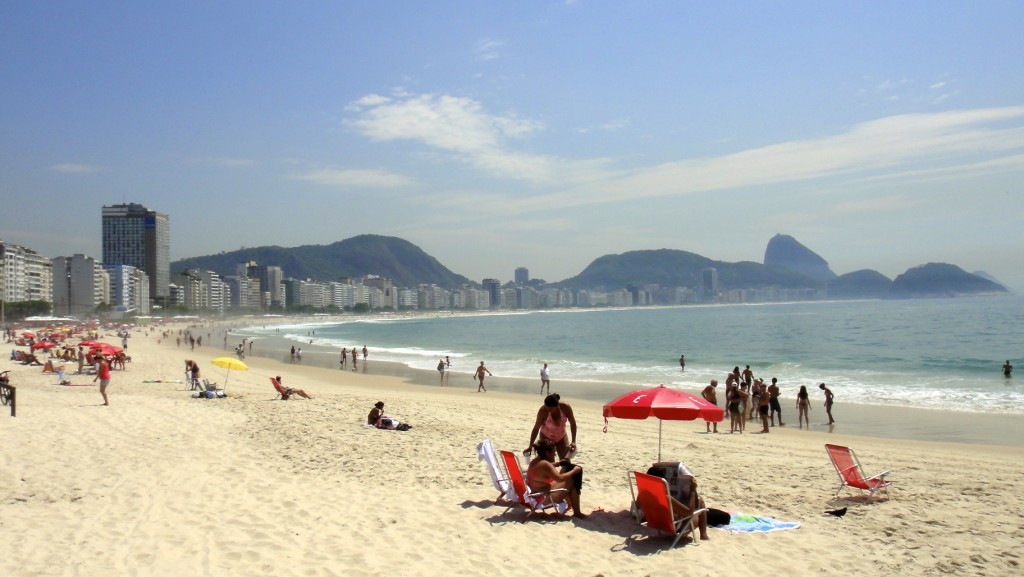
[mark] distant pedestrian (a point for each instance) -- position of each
(344, 357)
(1007, 369)
(298, 354)
(803, 405)
(773, 402)
(355, 360)
(103, 375)
(293, 353)
(365, 352)
(682, 362)
(441, 369)
(829, 399)
(545, 379)
(479, 376)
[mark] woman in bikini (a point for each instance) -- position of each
(542, 475)
(550, 424)
(736, 398)
(803, 404)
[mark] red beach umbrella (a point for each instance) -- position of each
(106, 349)
(90, 343)
(28, 335)
(662, 403)
(43, 345)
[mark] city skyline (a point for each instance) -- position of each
(540, 135)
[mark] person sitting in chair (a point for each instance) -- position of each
(287, 392)
(542, 475)
(695, 501)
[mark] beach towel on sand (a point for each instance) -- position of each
(743, 523)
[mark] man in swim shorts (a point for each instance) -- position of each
(709, 394)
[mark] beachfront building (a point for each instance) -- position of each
(80, 284)
(25, 275)
(493, 288)
(709, 284)
(139, 237)
(408, 299)
(522, 275)
(129, 289)
(269, 278)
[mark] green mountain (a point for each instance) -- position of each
(399, 260)
(861, 284)
(668, 267)
(941, 280)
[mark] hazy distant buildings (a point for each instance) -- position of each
(25, 275)
(709, 283)
(129, 289)
(80, 284)
(522, 275)
(139, 237)
(492, 287)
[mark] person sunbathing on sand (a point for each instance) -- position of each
(542, 475)
(288, 391)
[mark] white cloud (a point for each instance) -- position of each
(459, 126)
(487, 49)
(74, 168)
(891, 146)
(355, 178)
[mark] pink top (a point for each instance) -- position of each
(552, 430)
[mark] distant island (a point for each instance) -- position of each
(790, 271)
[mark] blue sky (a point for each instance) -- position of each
(493, 135)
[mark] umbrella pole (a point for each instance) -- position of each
(659, 439)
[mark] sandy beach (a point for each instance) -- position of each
(160, 483)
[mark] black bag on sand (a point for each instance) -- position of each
(717, 518)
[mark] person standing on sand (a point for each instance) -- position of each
(344, 358)
(103, 375)
(355, 360)
(479, 375)
(365, 352)
(440, 369)
(1007, 369)
(829, 398)
(736, 397)
(763, 408)
(803, 405)
(773, 402)
(710, 395)
(682, 362)
(545, 380)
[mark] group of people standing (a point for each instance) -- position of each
(355, 357)
(746, 397)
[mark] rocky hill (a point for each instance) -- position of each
(668, 268)
(941, 280)
(401, 261)
(784, 251)
(861, 284)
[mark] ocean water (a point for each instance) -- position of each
(941, 353)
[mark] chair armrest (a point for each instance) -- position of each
(880, 476)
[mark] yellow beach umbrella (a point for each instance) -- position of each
(229, 363)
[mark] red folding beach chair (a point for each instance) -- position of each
(852, 475)
(652, 498)
(520, 493)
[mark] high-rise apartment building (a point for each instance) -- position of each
(522, 275)
(492, 287)
(139, 237)
(25, 275)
